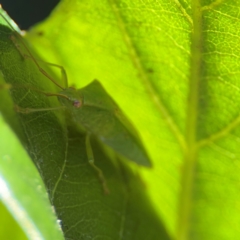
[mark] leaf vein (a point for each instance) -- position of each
(212, 5)
(144, 77)
(61, 173)
(182, 9)
(223, 132)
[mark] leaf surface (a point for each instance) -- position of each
(173, 67)
(57, 147)
(23, 192)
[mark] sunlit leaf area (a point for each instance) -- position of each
(120, 120)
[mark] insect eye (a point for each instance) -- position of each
(77, 104)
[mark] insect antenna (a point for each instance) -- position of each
(30, 54)
(37, 90)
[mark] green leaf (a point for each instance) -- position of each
(9, 227)
(173, 67)
(127, 47)
(57, 147)
(23, 192)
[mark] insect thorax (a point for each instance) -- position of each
(70, 97)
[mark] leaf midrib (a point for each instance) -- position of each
(189, 144)
(190, 158)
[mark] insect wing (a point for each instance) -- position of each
(101, 116)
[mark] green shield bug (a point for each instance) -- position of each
(96, 112)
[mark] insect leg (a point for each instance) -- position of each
(15, 35)
(91, 162)
(31, 110)
(63, 71)
(29, 55)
